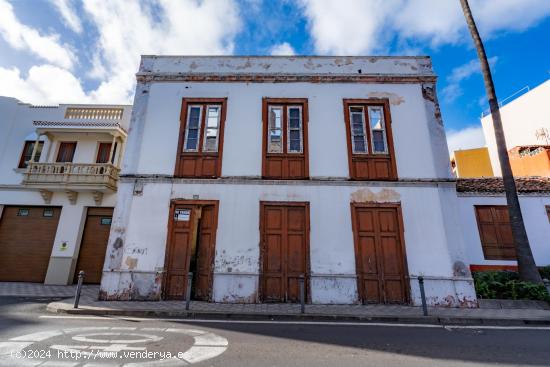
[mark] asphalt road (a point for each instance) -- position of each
(31, 336)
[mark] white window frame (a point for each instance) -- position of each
(217, 128)
(301, 129)
(270, 108)
(187, 127)
(384, 132)
(365, 132)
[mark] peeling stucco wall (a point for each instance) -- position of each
(237, 258)
(366, 195)
(142, 221)
(288, 65)
(395, 99)
(438, 139)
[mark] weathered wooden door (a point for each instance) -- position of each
(191, 247)
(379, 252)
(203, 253)
(93, 246)
(284, 250)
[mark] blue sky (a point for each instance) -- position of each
(56, 51)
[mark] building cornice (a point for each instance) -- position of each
(320, 181)
(148, 77)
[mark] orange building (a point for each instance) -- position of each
(471, 163)
(533, 160)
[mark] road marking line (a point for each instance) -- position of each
(58, 364)
(201, 353)
(206, 345)
(210, 339)
(322, 323)
(9, 347)
(190, 332)
(86, 328)
(146, 338)
(38, 337)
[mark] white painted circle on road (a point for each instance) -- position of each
(145, 338)
(206, 345)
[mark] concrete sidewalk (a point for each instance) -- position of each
(89, 305)
(286, 311)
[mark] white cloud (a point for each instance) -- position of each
(453, 89)
(22, 37)
(66, 10)
(347, 26)
(365, 26)
(45, 84)
(126, 29)
(467, 138)
(282, 49)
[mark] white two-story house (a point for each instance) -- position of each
(59, 168)
(252, 172)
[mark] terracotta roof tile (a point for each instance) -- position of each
(495, 185)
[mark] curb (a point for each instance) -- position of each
(434, 320)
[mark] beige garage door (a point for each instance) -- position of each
(27, 234)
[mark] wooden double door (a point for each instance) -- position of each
(191, 248)
(284, 250)
(380, 254)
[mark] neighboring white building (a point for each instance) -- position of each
(253, 171)
(59, 170)
(485, 221)
(525, 120)
(483, 211)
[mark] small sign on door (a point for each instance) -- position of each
(182, 215)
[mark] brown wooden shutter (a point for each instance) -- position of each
(200, 163)
(495, 232)
(370, 166)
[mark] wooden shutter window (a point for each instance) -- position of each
(66, 152)
(285, 146)
(377, 130)
(370, 142)
(26, 155)
(359, 140)
(495, 232)
(275, 138)
(193, 129)
(212, 126)
(294, 129)
(201, 138)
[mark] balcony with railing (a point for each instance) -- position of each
(100, 177)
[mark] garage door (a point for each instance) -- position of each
(27, 234)
(91, 255)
